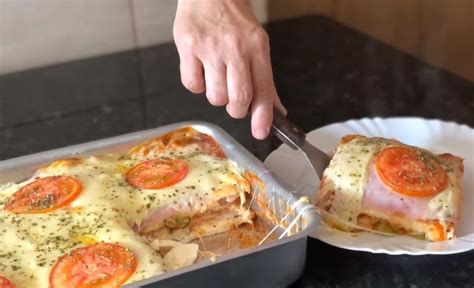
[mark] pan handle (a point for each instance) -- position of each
(287, 131)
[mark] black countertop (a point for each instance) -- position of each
(324, 72)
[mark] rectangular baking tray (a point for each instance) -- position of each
(276, 263)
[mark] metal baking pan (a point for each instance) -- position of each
(276, 263)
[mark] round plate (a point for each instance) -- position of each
(434, 135)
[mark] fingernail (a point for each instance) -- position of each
(261, 133)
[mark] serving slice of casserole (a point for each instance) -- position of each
(385, 185)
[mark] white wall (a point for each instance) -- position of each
(36, 33)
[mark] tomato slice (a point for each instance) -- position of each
(5, 283)
(411, 172)
(44, 195)
(157, 173)
(98, 265)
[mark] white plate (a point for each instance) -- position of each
(435, 135)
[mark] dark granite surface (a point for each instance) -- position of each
(324, 72)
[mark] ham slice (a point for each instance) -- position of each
(379, 198)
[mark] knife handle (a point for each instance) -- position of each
(287, 131)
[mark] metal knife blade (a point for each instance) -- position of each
(295, 137)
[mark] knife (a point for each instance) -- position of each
(295, 137)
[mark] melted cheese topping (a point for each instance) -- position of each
(347, 171)
(350, 175)
(104, 212)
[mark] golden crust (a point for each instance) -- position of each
(63, 163)
(433, 230)
(176, 140)
(349, 138)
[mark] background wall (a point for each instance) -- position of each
(441, 32)
(36, 33)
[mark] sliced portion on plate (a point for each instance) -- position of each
(386, 186)
(433, 135)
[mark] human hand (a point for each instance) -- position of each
(224, 51)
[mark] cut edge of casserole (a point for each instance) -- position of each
(225, 208)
